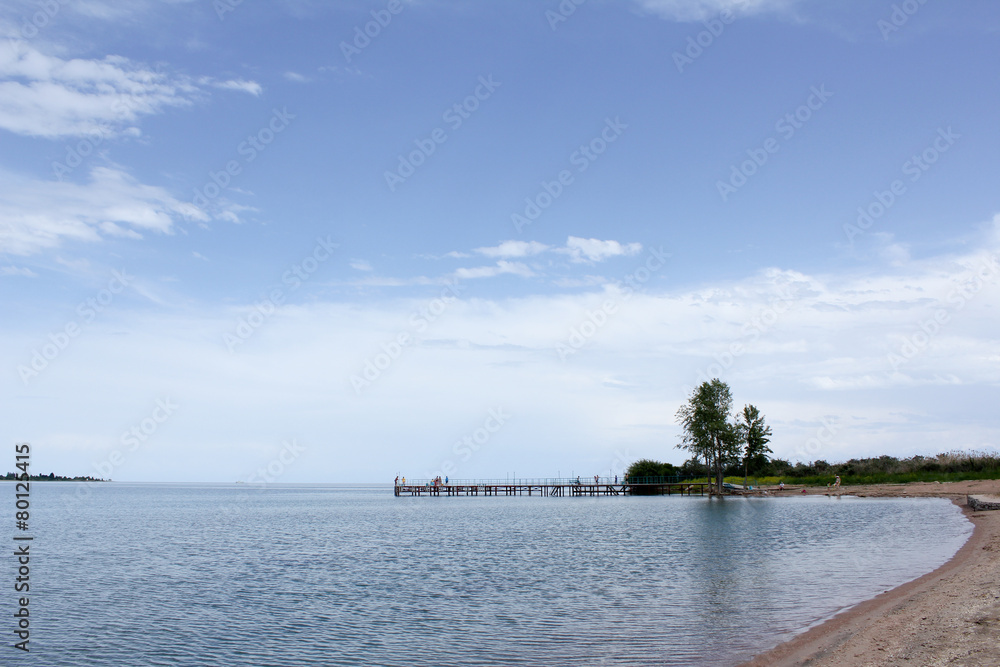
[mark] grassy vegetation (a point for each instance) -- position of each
(947, 467)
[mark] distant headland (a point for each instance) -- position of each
(51, 477)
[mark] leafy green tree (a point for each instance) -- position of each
(708, 431)
(755, 435)
(646, 468)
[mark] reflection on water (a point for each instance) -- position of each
(328, 575)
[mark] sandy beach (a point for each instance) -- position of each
(950, 616)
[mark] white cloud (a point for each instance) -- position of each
(295, 77)
(502, 267)
(17, 271)
(514, 249)
(812, 347)
(36, 215)
(241, 85)
(361, 265)
(595, 250)
(579, 249)
(47, 96)
(699, 10)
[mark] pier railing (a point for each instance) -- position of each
(548, 486)
(558, 481)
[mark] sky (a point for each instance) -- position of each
(303, 241)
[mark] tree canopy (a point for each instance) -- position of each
(755, 435)
(708, 430)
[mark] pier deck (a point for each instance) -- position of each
(549, 489)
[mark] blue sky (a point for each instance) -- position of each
(493, 237)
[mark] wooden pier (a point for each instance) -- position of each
(554, 489)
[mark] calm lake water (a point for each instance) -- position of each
(338, 575)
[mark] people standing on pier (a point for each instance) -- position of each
(404, 480)
(596, 477)
(446, 479)
(396, 482)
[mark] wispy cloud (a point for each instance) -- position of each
(514, 249)
(17, 271)
(579, 249)
(502, 267)
(699, 10)
(36, 215)
(596, 250)
(240, 85)
(50, 97)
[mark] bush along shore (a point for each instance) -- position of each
(947, 467)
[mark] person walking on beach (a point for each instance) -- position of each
(836, 484)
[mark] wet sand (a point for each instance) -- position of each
(950, 616)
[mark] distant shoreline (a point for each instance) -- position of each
(51, 477)
(949, 613)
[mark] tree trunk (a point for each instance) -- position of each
(718, 466)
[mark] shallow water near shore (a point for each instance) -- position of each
(350, 575)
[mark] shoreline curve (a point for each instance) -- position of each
(949, 615)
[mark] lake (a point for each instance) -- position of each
(144, 574)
